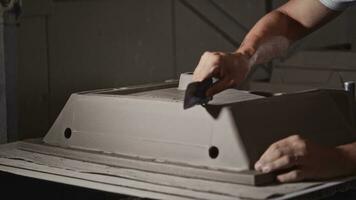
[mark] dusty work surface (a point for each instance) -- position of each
(14, 159)
(173, 94)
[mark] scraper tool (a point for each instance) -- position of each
(196, 93)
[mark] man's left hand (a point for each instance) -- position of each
(300, 159)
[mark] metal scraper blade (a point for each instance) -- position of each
(195, 93)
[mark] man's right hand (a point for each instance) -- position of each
(230, 68)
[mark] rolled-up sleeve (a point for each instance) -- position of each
(338, 5)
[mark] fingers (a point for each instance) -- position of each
(230, 68)
(276, 160)
(207, 66)
(299, 159)
(273, 153)
(292, 176)
(281, 163)
(210, 65)
(283, 154)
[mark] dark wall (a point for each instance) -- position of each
(66, 46)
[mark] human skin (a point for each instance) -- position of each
(291, 21)
(298, 158)
(304, 160)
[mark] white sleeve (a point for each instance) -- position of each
(337, 5)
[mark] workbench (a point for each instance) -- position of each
(14, 159)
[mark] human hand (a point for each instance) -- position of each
(301, 159)
(230, 68)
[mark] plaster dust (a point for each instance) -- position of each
(269, 49)
(135, 182)
(228, 96)
(176, 94)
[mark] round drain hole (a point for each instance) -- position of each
(213, 152)
(67, 133)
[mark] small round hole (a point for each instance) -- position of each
(213, 152)
(67, 133)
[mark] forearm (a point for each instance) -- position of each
(275, 32)
(271, 37)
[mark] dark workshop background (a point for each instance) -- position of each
(57, 47)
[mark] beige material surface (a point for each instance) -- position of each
(229, 134)
(150, 126)
(139, 141)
